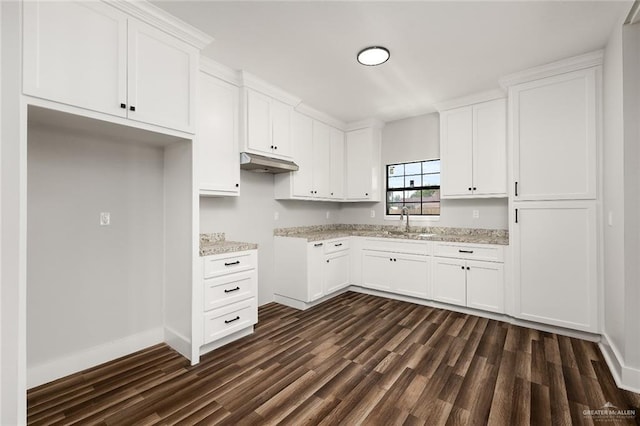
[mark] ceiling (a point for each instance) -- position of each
(439, 49)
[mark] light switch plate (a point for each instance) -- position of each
(105, 219)
(373, 213)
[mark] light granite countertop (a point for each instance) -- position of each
(216, 243)
(456, 235)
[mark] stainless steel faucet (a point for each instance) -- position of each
(405, 210)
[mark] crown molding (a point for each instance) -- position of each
(255, 83)
(153, 15)
(320, 116)
(470, 99)
(223, 72)
(575, 63)
(363, 124)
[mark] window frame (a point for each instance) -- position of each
(418, 218)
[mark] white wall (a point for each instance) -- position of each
(613, 191)
(90, 284)
(418, 138)
(631, 106)
(12, 293)
(250, 218)
(621, 198)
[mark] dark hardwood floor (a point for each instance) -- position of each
(355, 359)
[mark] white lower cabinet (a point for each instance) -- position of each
(229, 295)
(400, 273)
(555, 263)
(475, 284)
(485, 286)
(336, 271)
(460, 279)
(449, 281)
(308, 271)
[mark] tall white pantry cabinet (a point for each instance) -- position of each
(554, 140)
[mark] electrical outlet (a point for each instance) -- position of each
(276, 215)
(476, 214)
(610, 218)
(328, 214)
(373, 213)
(105, 219)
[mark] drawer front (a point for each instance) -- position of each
(228, 289)
(224, 321)
(487, 252)
(229, 263)
(334, 246)
(398, 246)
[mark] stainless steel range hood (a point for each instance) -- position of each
(260, 163)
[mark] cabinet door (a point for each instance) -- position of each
(359, 163)
(76, 53)
(554, 136)
(217, 134)
(449, 281)
(258, 122)
(377, 270)
(411, 275)
(456, 130)
(490, 148)
(162, 78)
(336, 169)
(315, 259)
(321, 159)
(336, 271)
(281, 128)
(485, 286)
(302, 130)
(555, 258)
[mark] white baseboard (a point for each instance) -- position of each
(57, 368)
(178, 342)
(626, 377)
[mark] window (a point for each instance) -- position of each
(414, 185)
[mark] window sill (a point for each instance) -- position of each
(414, 219)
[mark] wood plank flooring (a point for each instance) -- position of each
(355, 359)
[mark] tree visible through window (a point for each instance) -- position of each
(415, 185)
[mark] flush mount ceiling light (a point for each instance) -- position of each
(374, 55)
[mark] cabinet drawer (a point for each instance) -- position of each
(229, 319)
(470, 251)
(228, 263)
(335, 246)
(229, 289)
(398, 246)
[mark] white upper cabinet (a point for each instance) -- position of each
(321, 159)
(490, 148)
(319, 153)
(363, 164)
(301, 180)
(336, 163)
(217, 134)
(554, 137)
(268, 125)
(76, 53)
(162, 78)
(92, 56)
(473, 150)
(456, 152)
